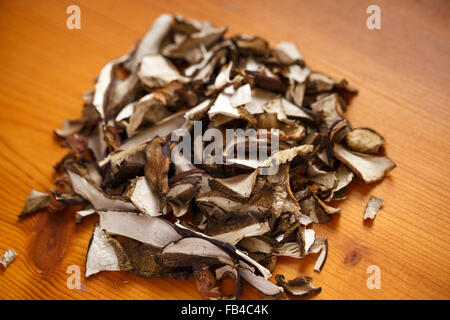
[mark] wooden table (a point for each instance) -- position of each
(402, 72)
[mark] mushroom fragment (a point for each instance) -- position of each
(373, 206)
(101, 255)
(35, 201)
(364, 140)
(7, 258)
(95, 196)
(154, 231)
(260, 283)
(369, 168)
(137, 158)
(145, 199)
(320, 244)
(205, 281)
(240, 186)
(299, 287)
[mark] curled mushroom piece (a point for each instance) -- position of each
(260, 283)
(299, 287)
(244, 145)
(227, 271)
(373, 205)
(95, 196)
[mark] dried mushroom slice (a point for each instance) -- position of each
(161, 129)
(305, 238)
(285, 156)
(35, 201)
(328, 209)
(373, 206)
(296, 73)
(188, 47)
(300, 248)
(256, 244)
(330, 108)
(228, 271)
(199, 111)
(95, 196)
(343, 176)
(145, 199)
(260, 283)
(142, 259)
(81, 214)
(104, 83)
(364, 140)
(157, 167)
(311, 208)
(149, 108)
(232, 230)
(205, 281)
(190, 250)
(156, 71)
(325, 180)
(320, 244)
(252, 43)
(288, 53)
(227, 102)
(150, 230)
(101, 255)
(67, 199)
(150, 43)
(235, 253)
(299, 287)
(239, 186)
(258, 99)
(258, 202)
(369, 168)
(7, 258)
(69, 128)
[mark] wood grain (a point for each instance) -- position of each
(402, 72)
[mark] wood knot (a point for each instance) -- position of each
(353, 257)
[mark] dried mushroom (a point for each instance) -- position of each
(35, 201)
(244, 144)
(364, 140)
(299, 287)
(7, 258)
(373, 205)
(369, 168)
(101, 255)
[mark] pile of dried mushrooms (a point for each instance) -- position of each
(163, 216)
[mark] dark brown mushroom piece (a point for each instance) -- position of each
(299, 287)
(35, 201)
